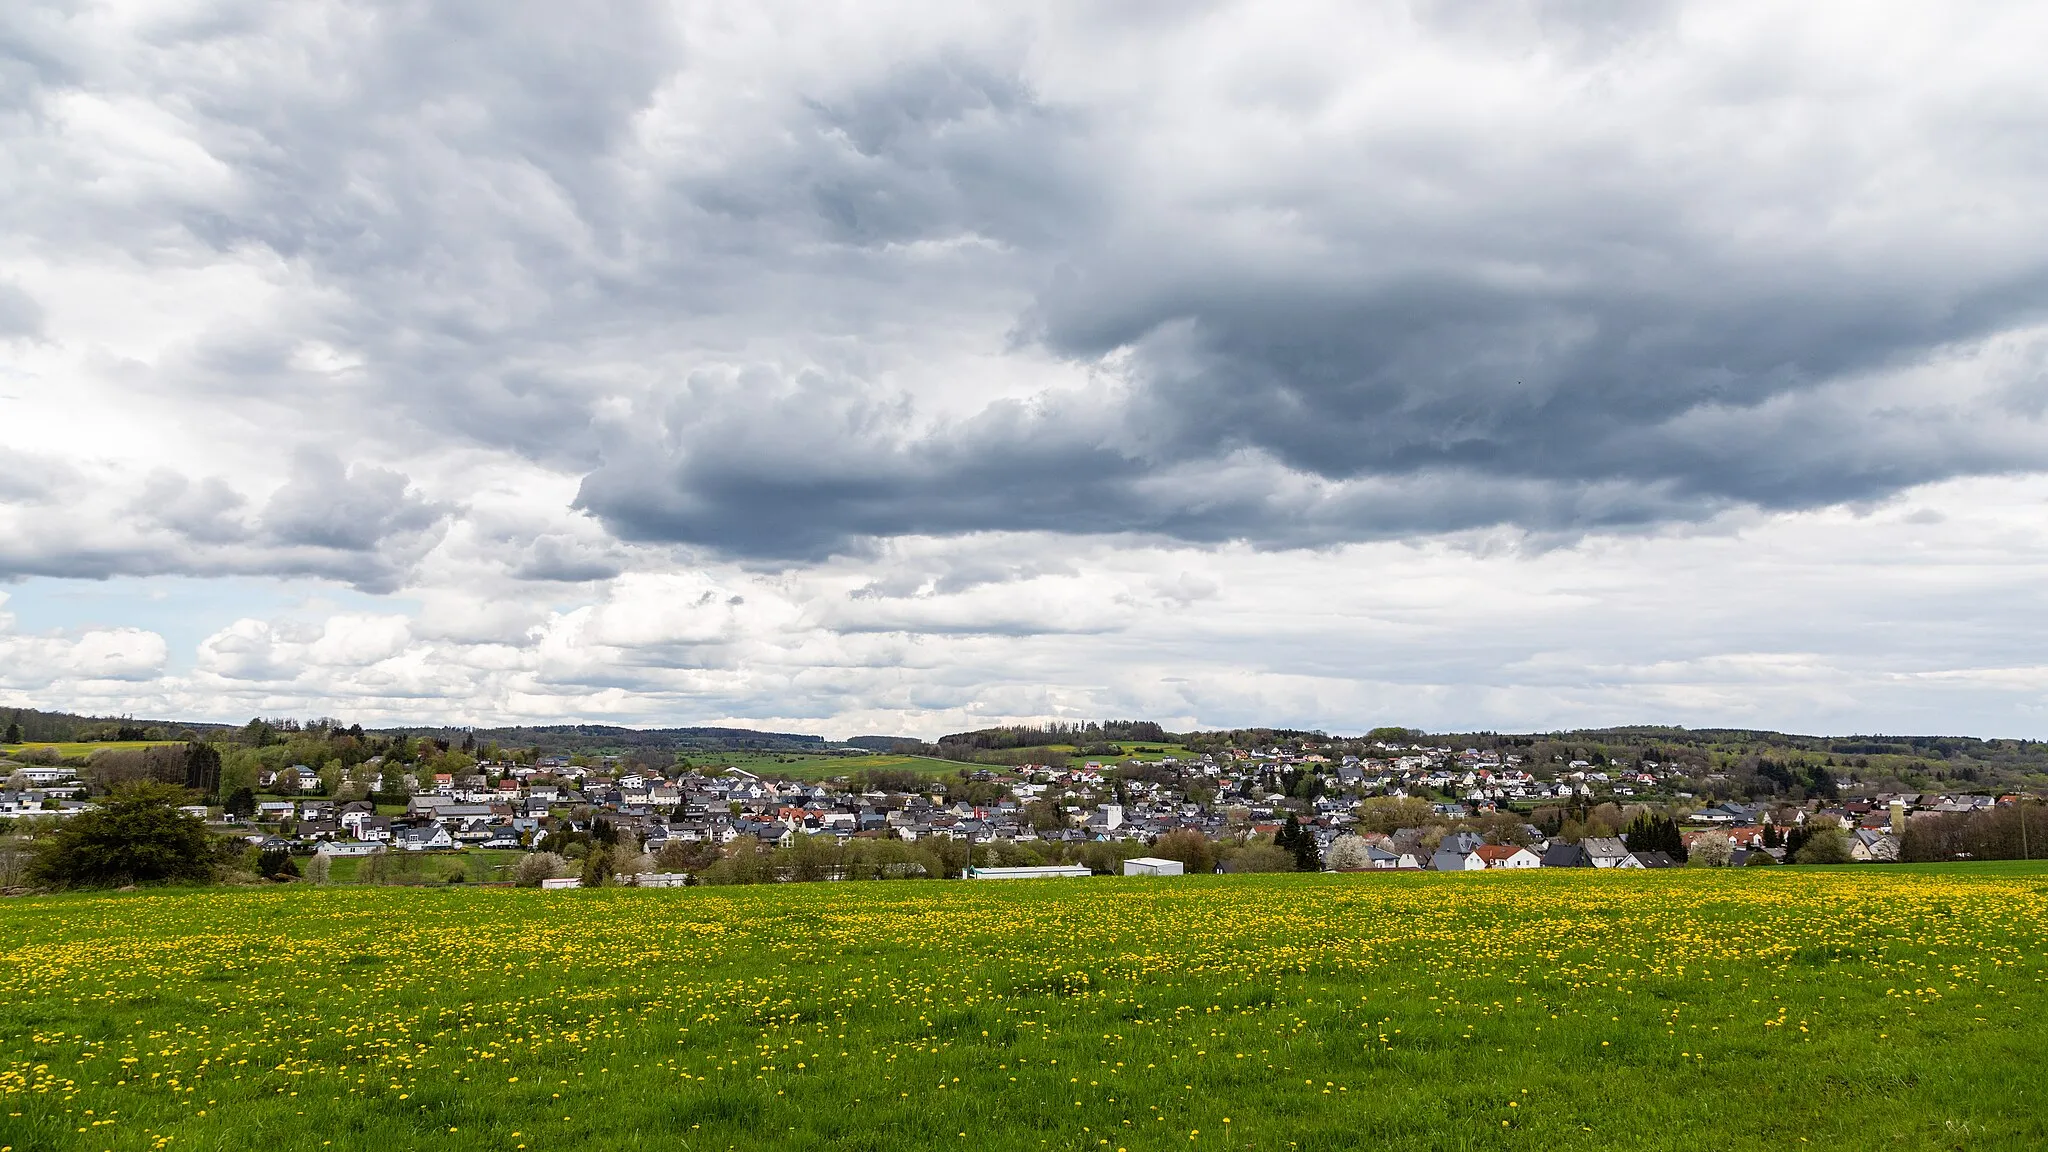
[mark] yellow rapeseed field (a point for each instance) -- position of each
(1722, 1009)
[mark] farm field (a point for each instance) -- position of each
(798, 766)
(86, 748)
(1690, 1009)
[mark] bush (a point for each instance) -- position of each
(535, 867)
(137, 837)
(1824, 846)
(1261, 858)
(277, 864)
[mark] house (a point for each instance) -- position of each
(421, 837)
(1608, 852)
(1650, 858)
(1153, 866)
(334, 848)
(1563, 855)
(1874, 844)
(1449, 859)
(1389, 859)
(1507, 856)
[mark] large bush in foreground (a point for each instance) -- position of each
(137, 836)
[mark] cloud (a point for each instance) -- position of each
(926, 339)
(362, 525)
(20, 314)
(324, 505)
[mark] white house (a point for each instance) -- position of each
(1609, 852)
(1452, 860)
(1153, 866)
(1508, 856)
(333, 848)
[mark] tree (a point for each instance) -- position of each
(13, 732)
(597, 866)
(1260, 857)
(1712, 850)
(1307, 857)
(137, 837)
(1297, 842)
(684, 856)
(319, 868)
(202, 768)
(535, 867)
(241, 804)
(1827, 844)
(1350, 854)
(1191, 848)
(1649, 833)
(276, 864)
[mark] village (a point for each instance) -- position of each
(1412, 807)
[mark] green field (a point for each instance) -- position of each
(798, 766)
(475, 865)
(87, 748)
(1684, 1010)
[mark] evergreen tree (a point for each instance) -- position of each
(241, 803)
(1648, 833)
(13, 730)
(202, 768)
(1300, 843)
(1820, 782)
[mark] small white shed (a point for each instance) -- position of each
(1153, 866)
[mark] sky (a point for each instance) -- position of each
(906, 368)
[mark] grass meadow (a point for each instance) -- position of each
(1725, 1009)
(798, 766)
(70, 749)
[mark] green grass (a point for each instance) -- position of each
(1688, 1009)
(798, 766)
(478, 865)
(81, 748)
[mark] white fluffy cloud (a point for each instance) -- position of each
(1504, 363)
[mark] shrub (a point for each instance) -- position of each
(277, 864)
(1824, 846)
(137, 837)
(535, 867)
(1261, 858)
